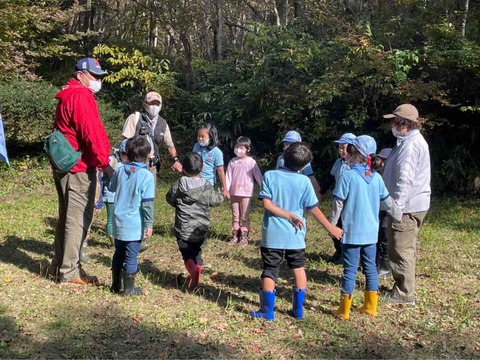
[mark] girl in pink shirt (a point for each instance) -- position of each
(241, 173)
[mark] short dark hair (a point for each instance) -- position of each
(138, 148)
(244, 141)
(377, 163)
(212, 134)
(192, 164)
(296, 156)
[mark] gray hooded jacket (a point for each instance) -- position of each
(192, 198)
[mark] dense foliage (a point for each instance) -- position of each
(259, 68)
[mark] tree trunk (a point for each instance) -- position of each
(219, 29)
(464, 17)
(88, 14)
(297, 9)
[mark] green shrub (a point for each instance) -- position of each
(28, 111)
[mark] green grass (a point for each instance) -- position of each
(39, 318)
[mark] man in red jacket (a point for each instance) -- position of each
(78, 119)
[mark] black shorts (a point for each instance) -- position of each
(273, 259)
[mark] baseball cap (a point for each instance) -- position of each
(384, 153)
(153, 96)
(406, 111)
(91, 65)
(292, 137)
(346, 138)
(365, 144)
(123, 146)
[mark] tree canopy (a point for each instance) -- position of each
(260, 68)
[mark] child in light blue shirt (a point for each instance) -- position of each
(134, 188)
(292, 137)
(341, 164)
(285, 194)
(212, 156)
(357, 197)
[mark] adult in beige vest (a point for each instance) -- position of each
(150, 123)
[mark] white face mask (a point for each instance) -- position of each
(240, 152)
(204, 143)
(397, 133)
(95, 86)
(153, 110)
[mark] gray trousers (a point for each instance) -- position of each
(402, 251)
(76, 196)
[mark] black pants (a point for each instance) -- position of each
(191, 250)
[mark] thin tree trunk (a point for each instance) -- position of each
(464, 17)
(88, 13)
(219, 31)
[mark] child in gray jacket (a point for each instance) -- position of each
(192, 196)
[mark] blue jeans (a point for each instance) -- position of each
(125, 256)
(367, 254)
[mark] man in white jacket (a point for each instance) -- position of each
(407, 178)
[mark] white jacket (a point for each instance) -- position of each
(407, 173)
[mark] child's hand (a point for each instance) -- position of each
(296, 222)
(226, 194)
(148, 232)
(336, 233)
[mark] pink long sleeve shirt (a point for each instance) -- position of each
(241, 174)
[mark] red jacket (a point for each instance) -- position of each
(77, 118)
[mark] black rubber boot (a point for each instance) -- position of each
(116, 280)
(129, 285)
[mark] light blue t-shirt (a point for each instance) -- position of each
(132, 184)
(338, 168)
(361, 196)
(293, 192)
(307, 170)
(212, 159)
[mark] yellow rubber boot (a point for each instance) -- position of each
(370, 303)
(343, 311)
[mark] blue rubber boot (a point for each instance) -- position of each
(298, 299)
(267, 304)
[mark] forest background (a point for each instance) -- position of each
(255, 68)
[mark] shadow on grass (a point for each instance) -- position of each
(13, 251)
(221, 294)
(103, 332)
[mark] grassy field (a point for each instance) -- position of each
(42, 319)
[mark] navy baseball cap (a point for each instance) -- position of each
(91, 65)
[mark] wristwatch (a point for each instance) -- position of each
(176, 159)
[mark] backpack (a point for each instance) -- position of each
(60, 152)
(143, 128)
